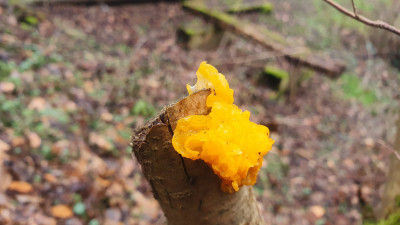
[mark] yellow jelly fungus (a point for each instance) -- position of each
(225, 138)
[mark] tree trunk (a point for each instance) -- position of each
(188, 191)
(391, 196)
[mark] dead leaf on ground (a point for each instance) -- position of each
(5, 178)
(116, 189)
(106, 116)
(70, 106)
(318, 211)
(88, 86)
(34, 139)
(50, 178)
(17, 141)
(4, 201)
(7, 87)
(149, 206)
(37, 103)
(102, 183)
(29, 199)
(20, 187)
(100, 141)
(60, 146)
(61, 211)
(126, 168)
(4, 146)
(42, 219)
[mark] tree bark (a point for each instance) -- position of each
(188, 191)
(391, 196)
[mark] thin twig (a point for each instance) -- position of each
(384, 145)
(378, 24)
(354, 8)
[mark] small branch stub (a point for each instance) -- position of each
(188, 191)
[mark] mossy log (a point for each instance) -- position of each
(188, 191)
(197, 34)
(265, 8)
(93, 2)
(270, 40)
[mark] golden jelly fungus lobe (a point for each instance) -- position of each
(225, 138)
(209, 78)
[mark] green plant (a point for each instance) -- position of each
(144, 109)
(79, 208)
(352, 88)
(6, 68)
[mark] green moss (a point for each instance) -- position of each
(352, 88)
(276, 72)
(268, 36)
(265, 8)
(393, 219)
(277, 78)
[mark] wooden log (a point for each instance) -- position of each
(188, 191)
(270, 40)
(94, 2)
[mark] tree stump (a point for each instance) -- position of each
(188, 191)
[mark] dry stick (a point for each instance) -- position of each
(384, 145)
(362, 19)
(354, 8)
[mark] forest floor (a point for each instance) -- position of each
(75, 80)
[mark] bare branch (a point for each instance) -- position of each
(354, 8)
(387, 147)
(377, 24)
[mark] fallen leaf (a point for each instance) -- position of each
(34, 139)
(113, 214)
(17, 141)
(61, 211)
(149, 206)
(4, 146)
(42, 219)
(28, 199)
(59, 146)
(70, 106)
(50, 178)
(349, 164)
(4, 201)
(88, 86)
(116, 189)
(318, 211)
(7, 87)
(20, 187)
(100, 141)
(37, 103)
(106, 116)
(102, 183)
(5, 178)
(126, 167)
(369, 142)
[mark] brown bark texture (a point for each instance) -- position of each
(391, 194)
(188, 191)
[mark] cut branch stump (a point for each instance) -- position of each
(188, 191)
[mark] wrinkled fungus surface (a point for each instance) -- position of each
(225, 138)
